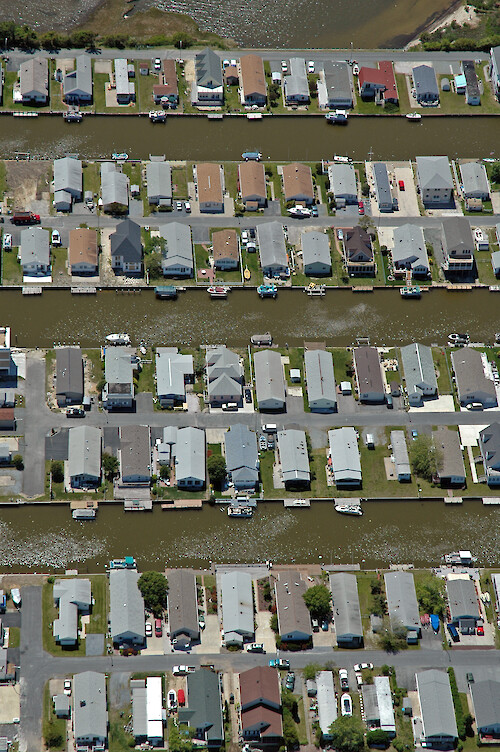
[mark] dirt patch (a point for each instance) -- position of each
(27, 181)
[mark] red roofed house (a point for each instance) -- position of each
(378, 82)
(261, 719)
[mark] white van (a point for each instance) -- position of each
(270, 428)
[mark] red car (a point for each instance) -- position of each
(401, 184)
(480, 631)
(158, 628)
(361, 207)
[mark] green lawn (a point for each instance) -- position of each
(145, 381)
(251, 262)
(365, 597)
(14, 637)
(452, 103)
(51, 725)
(119, 740)
(8, 101)
(3, 179)
(342, 363)
(59, 258)
(144, 91)
(94, 356)
(12, 273)
(91, 178)
(484, 269)
(55, 90)
(180, 182)
(404, 100)
(442, 369)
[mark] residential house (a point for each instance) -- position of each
(320, 380)
(34, 81)
(237, 608)
(294, 459)
(84, 457)
(231, 76)
(435, 181)
(346, 610)
(253, 81)
(177, 254)
(400, 454)
(260, 707)
(209, 179)
(409, 252)
(114, 189)
(297, 183)
(359, 258)
(383, 193)
(378, 705)
(378, 83)
(173, 372)
(68, 182)
(495, 263)
(296, 85)
(463, 604)
(118, 391)
(71, 597)
(159, 183)
(126, 248)
(458, 246)
(474, 377)
(439, 725)
(316, 257)
(425, 84)
(369, 381)
(402, 601)
(335, 86)
(419, 373)
(344, 459)
(62, 709)
(125, 88)
(77, 84)
(7, 365)
(489, 445)
(460, 83)
(485, 696)
(126, 615)
(472, 92)
(326, 700)
(90, 715)
(190, 459)
(208, 86)
(7, 419)
(166, 91)
(272, 249)
(474, 180)
(224, 376)
(69, 376)
(135, 455)
(203, 711)
(242, 457)
(226, 249)
(343, 185)
(495, 71)
(450, 462)
(269, 380)
(83, 252)
(147, 711)
(252, 184)
(35, 252)
(294, 622)
(183, 624)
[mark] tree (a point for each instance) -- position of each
(495, 173)
(153, 587)
(57, 470)
(310, 671)
(430, 596)
(273, 623)
(290, 719)
(216, 468)
(393, 641)
(347, 734)
(18, 462)
(164, 472)
(152, 264)
(52, 735)
(378, 738)
(423, 455)
(317, 599)
(110, 465)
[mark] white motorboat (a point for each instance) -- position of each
(353, 509)
(346, 704)
(458, 339)
(118, 339)
(15, 594)
(239, 511)
(414, 116)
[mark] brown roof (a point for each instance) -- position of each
(231, 72)
(261, 715)
(368, 371)
(6, 413)
(83, 247)
(170, 77)
(358, 244)
(293, 616)
(297, 181)
(261, 700)
(253, 79)
(252, 179)
(208, 177)
(225, 245)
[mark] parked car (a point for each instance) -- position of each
(187, 207)
(244, 236)
(414, 435)
(310, 66)
(470, 678)
(67, 687)
(178, 205)
(158, 628)
(252, 233)
(248, 395)
(480, 631)
(279, 663)
(401, 184)
(255, 647)
(315, 625)
(324, 625)
(75, 412)
(344, 679)
(284, 66)
(149, 629)
(340, 234)
(157, 64)
(225, 63)
(262, 442)
(362, 666)
(361, 207)
(182, 670)
(314, 211)
(290, 681)
(7, 241)
(171, 700)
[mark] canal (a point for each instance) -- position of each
(283, 138)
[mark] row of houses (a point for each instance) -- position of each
(426, 89)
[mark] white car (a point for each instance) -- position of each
(234, 63)
(7, 241)
(55, 238)
(182, 670)
(340, 235)
(187, 207)
(255, 647)
(225, 63)
(178, 205)
(310, 66)
(149, 629)
(157, 64)
(362, 666)
(67, 687)
(284, 66)
(171, 700)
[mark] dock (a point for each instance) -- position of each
(183, 504)
(25, 114)
(32, 290)
(289, 503)
(362, 289)
(215, 116)
(491, 501)
(167, 292)
(84, 290)
(453, 500)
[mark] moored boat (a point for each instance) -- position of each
(239, 511)
(218, 291)
(458, 339)
(353, 509)
(157, 116)
(262, 339)
(119, 156)
(267, 291)
(410, 291)
(254, 156)
(15, 594)
(338, 117)
(73, 117)
(414, 116)
(118, 339)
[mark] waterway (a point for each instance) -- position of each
(282, 138)
(419, 532)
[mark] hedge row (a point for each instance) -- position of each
(459, 714)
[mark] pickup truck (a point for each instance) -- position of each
(75, 412)
(183, 670)
(279, 663)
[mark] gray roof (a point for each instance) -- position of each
(495, 260)
(79, 80)
(126, 605)
(118, 366)
(221, 360)
(68, 175)
(320, 378)
(135, 451)
(224, 388)
(292, 447)
(34, 77)
(208, 69)
(327, 701)
(269, 377)
(337, 80)
(424, 79)
(450, 459)
(123, 85)
(342, 179)
(178, 249)
(159, 180)
(237, 605)
(377, 700)
(382, 187)
(139, 709)
(409, 247)
(471, 78)
(70, 595)
(69, 371)
(84, 452)
(418, 367)
(293, 614)
(474, 178)
(436, 704)
(400, 453)
(457, 236)
(486, 701)
(344, 452)
(272, 246)
(35, 246)
(296, 84)
(345, 599)
(114, 187)
(182, 604)
(204, 707)
(90, 717)
(472, 383)
(126, 241)
(370, 704)
(489, 444)
(190, 454)
(242, 457)
(171, 370)
(315, 248)
(462, 599)
(62, 704)
(434, 172)
(402, 600)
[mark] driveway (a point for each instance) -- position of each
(407, 199)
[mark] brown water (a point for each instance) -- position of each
(280, 138)
(36, 539)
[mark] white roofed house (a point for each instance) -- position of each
(343, 185)
(400, 455)
(68, 181)
(35, 252)
(378, 705)
(72, 597)
(475, 182)
(84, 456)
(409, 252)
(159, 183)
(114, 189)
(495, 70)
(173, 371)
(269, 380)
(224, 376)
(296, 85)
(320, 379)
(190, 459)
(344, 458)
(90, 715)
(419, 372)
(77, 84)
(237, 608)
(126, 615)
(272, 249)
(125, 89)
(34, 81)
(435, 181)
(177, 254)
(294, 458)
(316, 257)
